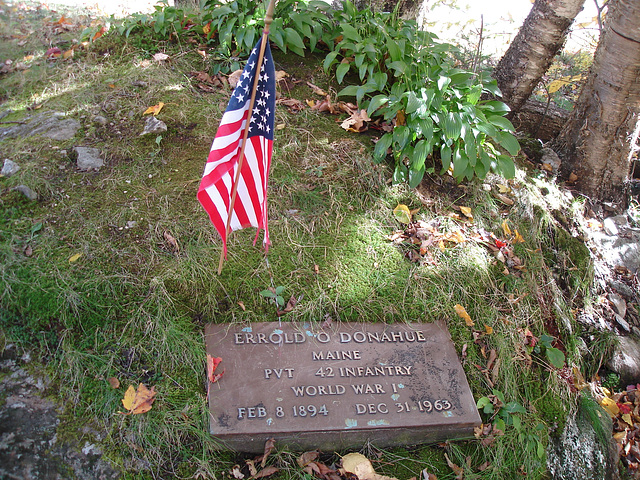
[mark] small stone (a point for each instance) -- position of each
(550, 158)
(626, 360)
(100, 120)
(153, 125)
(619, 304)
(615, 225)
(27, 192)
(9, 168)
(623, 324)
(88, 158)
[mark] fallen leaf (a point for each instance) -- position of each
(505, 229)
(212, 364)
(206, 29)
(236, 473)
(467, 212)
(161, 57)
(307, 457)
(68, 54)
(288, 307)
(99, 33)
(503, 198)
(234, 78)
(428, 476)
(462, 313)
(252, 467)
(402, 213)
(488, 329)
(356, 122)
(627, 419)
(28, 251)
(316, 269)
(573, 177)
(241, 305)
(269, 445)
(140, 400)
(281, 75)
(74, 258)
(292, 104)
(317, 90)
(458, 471)
(503, 188)
(266, 472)
(170, 239)
(154, 110)
(114, 382)
(359, 465)
(610, 406)
(53, 52)
(517, 237)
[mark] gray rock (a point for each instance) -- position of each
(619, 250)
(27, 192)
(9, 168)
(617, 225)
(88, 158)
(618, 303)
(551, 158)
(626, 360)
(54, 125)
(622, 288)
(585, 450)
(153, 125)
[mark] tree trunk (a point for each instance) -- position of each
(530, 54)
(597, 142)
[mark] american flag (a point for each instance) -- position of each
(250, 208)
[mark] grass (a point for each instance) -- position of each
(132, 306)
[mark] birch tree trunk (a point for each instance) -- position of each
(529, 56)
(596, 144)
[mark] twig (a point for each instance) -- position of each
(600, 10)
(7, 122)
(476, 59)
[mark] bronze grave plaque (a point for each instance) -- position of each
(338, 387)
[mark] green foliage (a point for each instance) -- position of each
(275, 295)
(409, 78)
(554, 355)
(506, 414)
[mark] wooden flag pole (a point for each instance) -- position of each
(234, 191)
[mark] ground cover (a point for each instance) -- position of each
(109, 273)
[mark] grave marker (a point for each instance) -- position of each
(338, 387)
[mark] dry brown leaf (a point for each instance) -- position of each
(428, 476)
(359, 465)
(503, 198)
(462, 313)
(236, 473)
(170, 239)
(114, 382)
(266, 472)
(269, 445)
(138, 401)
(234, 78)
(573, 177)
(28, 251)
(281, 75)
(292, 104)
(307, 457)
(458, 471)
(317, 90)
(467, 212)
(161, 57)
(252, 467)
(356, 122)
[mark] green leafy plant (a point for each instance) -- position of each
(545, 347)
(409, 79)
(507, 414)
(235, 26)
(275, 295)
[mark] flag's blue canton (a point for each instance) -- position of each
(262, 117)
